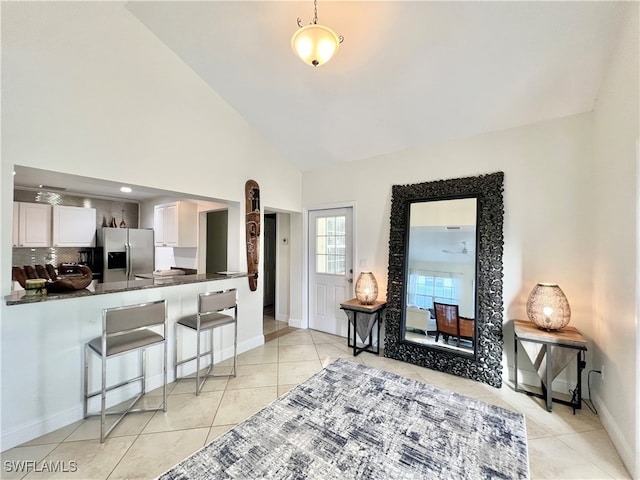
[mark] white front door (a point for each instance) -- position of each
(330, 268)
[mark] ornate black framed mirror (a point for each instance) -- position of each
(444, 290)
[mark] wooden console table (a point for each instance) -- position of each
(567, 338)
(364, 318)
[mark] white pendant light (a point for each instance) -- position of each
(315, 44)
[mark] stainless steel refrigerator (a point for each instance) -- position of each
(126, 252)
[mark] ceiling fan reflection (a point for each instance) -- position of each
(463, 251)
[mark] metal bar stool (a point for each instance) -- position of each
(124, 330)
(209, 317)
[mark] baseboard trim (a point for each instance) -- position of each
(31, 430)
(297, 323)
(28, 431)
(624, 449)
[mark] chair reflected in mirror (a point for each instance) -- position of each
(450, 324)
(420, 320)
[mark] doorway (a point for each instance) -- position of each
(270, 235)
(271, 327)
(330, 247)
(217, 229)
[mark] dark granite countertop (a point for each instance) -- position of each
(19, 298)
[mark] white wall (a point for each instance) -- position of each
(615, 233)
(283, 267)
(548, 197)
(296, 289)
(88, 90)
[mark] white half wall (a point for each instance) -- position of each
(44, 344)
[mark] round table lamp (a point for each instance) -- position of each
(366, 288)
(548, 307)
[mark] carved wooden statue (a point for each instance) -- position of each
(252, 195)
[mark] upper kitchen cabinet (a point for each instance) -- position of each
(16, 224)
(74, 226)
(176, 224)
(31, 224)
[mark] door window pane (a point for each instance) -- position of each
(330, 245)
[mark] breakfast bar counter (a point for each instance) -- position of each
(46, 337)
(141, 282)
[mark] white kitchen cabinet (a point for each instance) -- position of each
(176, 224)
(33, 225)
(74, 226)
(158, 225)
(16, 224)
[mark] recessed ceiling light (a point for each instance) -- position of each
(125, 189)
(51, 187)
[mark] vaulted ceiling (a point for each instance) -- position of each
(407, 74)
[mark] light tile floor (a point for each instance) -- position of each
(275, 328)
(561, 445)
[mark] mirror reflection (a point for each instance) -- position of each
(440, 303)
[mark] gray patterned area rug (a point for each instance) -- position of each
(351, 421)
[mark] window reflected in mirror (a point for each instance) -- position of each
(440, 302)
